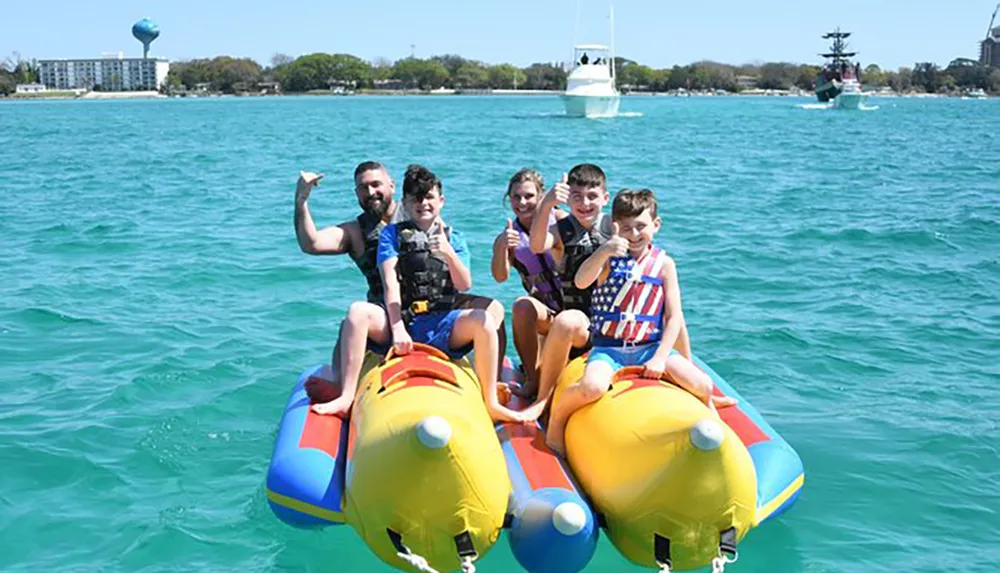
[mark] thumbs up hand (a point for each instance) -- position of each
(559, 194)
(304, 186)
(513, 237)
(616, 246)
(438, 243)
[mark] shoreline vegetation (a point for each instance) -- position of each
(107, 96)
(345, 74)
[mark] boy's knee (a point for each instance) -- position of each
(570, 321)
(357, 312)
(495, 309)
(483, 319)
(592, 388)
(704, 385)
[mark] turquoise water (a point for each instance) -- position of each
(841, 269)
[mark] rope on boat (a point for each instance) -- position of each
(467, 566)
(720, 562)
(417, 562)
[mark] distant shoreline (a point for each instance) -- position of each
(64, 95)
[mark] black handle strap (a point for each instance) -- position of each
(397, 542)
(727, 542)
(661, 550)
(463, 543)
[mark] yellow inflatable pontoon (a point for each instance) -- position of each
(424, 482)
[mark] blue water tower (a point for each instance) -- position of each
(145, 31)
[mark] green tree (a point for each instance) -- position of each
(874, 76)
(928, 76)
(451, 62)
(805, 77)
(777, 76)
(680, 78)
(636, 76)
(321, 71)
(7, 83)
(231, 75)
(471, 75)
(968, 73)
(544, 77)
(661, 80)
(947, 83)
(993, 81)
(506, 76)
(348, 69)
(709, 75)
(422, 74)
(902, 80)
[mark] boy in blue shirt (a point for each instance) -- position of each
(424, 266)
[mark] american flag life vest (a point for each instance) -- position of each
(628, 307)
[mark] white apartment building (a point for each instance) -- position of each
(107, 74)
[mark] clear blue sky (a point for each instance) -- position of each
(658, 33)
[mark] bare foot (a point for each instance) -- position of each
(556, 442)
(338, 407)
(534, 411)
(724, 401)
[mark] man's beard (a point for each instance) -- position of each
(378, 208)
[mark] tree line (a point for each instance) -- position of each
(326, 71)
(226, 74)
(17, 70)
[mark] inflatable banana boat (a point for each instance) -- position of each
(678, 485)
(417, 472)
(552, 527)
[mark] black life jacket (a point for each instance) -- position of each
(367, 261)
(578, 245)
(424, 280)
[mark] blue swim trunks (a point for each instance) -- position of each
(620, 356)
(375, 347)
(434, 328)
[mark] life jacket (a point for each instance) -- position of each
(367, 262)
(424, 280)
(538, 272)
(628, 306)
(578, 245)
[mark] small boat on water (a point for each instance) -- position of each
(839, 82)
(590, 86)
(978, 93)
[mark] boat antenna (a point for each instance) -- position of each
(576, 29)
(612, 6)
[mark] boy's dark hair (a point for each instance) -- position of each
(632, 202)
(419, 181)
(368, 166)
(587, 175)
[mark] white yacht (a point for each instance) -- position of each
(590, 86)
(851, 95)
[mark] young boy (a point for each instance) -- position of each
(571, 240)
(636, 315)
(424, 266)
